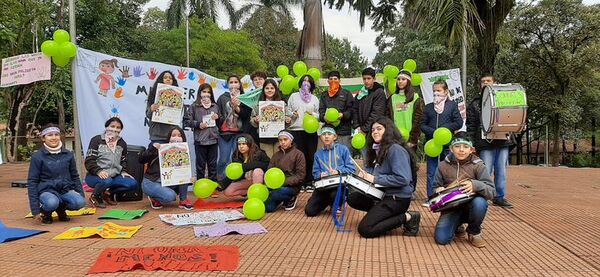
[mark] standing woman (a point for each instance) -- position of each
(270, 92)
(254, 163)
(392, 165)
(205, 137)
(233, 120)
(300, 104)
(158, 131)
(406, 108)
(53, 183)
(106, 165)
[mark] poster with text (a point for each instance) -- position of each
(175, 165)
(170, 105)
(455, 89)
(271, 116)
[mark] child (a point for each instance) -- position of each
(406, 108)
(333, 159)
(442, 112)
(341, 100)
(151, 185)
(293, 164)
(270, 92)
(158, 131)
(258, 79)
(254, 163)
(476, 180)
(203, 112)
(53, 183)
(369, 105)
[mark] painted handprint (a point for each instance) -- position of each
(125, 72)
(137, 71)
(152, 74)
(121, 81)
(213, 83)
(181, 74)
(192, 76)
(202, 79)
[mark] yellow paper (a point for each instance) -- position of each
(82, 211)
(108, 231)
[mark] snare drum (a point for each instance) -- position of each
(363, 186)
(448, 198)
(329, 182)
(503, 111)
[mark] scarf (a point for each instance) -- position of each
(206, 103)
(363, 92)
(175, 139)
(305, 92)
(234, 90)
(111, 136)
(439, 103)
(334, 87)
(54, 150)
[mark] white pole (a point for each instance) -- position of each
(187, 40)
(546, 150)
(73, 33)
(464, 53)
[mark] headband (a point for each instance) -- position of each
(50, 130)
(461, 141)
(325, 130)
(242, 140)
(285, 134)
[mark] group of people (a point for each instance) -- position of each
(389, 159)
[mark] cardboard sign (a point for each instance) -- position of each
(271, 116)
(107, 231)
(82, 211)
(206, 217)
(123, 214)
(24, 69)
(224, 228)
(9, 234)
(192, 258)
(510, 98)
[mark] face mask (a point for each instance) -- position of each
(112, 132)
(438, 98)
(175, 139)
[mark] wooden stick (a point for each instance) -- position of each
(356, 164)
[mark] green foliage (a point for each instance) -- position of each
(25, 151)
(199, 9)
(341, 55)
(155, 19)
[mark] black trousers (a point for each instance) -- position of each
(319, 201)
(382, 216)
(206, 155)
(307, 143)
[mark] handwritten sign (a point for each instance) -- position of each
(170, 105)
(271, 118)
(175, 165)
(108, 231)
(224, 228)
(24, 69)
(510, 98)
(206, 217)
(192, 258)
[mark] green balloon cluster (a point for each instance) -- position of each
(274, 178)
(441, 137)
(300, 68)
(432, 149)
(359, 141)
(234, 171)
(254, 209)
(60, 49)
(290, 83)
(310, 124)
(410, 65)
(259, 191)
(282, 71)
(204, 188)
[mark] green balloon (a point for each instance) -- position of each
(234, 171)
(287, 84)
(336, 123)
(254, 209)
(331, 115)
(282, 71)
(67, 49)
(410, 65)
(387, 70)
(310, 124)
(204, 188)
(359, 141)
(442, 136)
(416, 79)
(314, 73)
(391, 85)
(60, 60)
(274, 178)
(393, 72)
(49, 48)
(432, 149)
(300, 68)
(297, 83)
(61, 35)
(259, 191)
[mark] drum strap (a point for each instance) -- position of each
(340, 203)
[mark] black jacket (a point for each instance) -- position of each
(474, 128)
(243, 120)
(449, 118)
(150, 157)
(369, 108)
(343, 101)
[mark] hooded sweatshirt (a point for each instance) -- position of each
(336, 156)
(471, 168)
(293, 164)
(369, 108)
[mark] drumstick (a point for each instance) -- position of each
(358, 166)
(323, 164)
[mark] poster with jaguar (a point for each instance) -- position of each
(271, 118)
(175, 165)
(170, 105)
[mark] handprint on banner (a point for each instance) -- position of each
(202, 79)
(245, 85)
(181, 74)
(121, 81)
(213, 83)
(125, 72)
(192, 76)
(137, 71)
(152, 74)
(114, 110)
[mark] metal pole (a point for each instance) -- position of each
(546, 150)
(73, 33)
(187, 40)
(464, 54)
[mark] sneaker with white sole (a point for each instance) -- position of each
(186, 205)
(290, 204)
(477, 240)
(155, 204)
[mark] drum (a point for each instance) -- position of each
(448, 198)
(503, 111)
(363, 186)
(329, 182)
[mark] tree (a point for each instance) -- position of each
(344, 57)
(212, 50)
(554, 48)
(265, 7)
(155, 19)
(179, 9)
(311, 38)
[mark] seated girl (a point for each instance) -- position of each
(254, 163)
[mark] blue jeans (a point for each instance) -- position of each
(496, 160)
(164, 194)
(472, 213)
(226, 148)
(432, 165)
(277, 197)
(115, 184)
(70, 200)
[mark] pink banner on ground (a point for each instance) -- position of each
(24, 69)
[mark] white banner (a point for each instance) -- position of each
(109, 86)
(456, 93)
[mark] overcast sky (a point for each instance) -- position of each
(341, 24)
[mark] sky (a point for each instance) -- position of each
(341, 24)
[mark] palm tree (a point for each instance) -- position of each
(179, 9)
(279, 7)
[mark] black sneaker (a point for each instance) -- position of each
(290, 204)
(309, 188)
(62, 214)
(97, 201)
(411, 227)
(46, 218)
(502, 203)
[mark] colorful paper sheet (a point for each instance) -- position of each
(10, 234)
(123, 214)
(175, 164)
(82, 211)
(223, 228)
(108, 231)
(198, 218)
(215, 205)
(193, 258)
